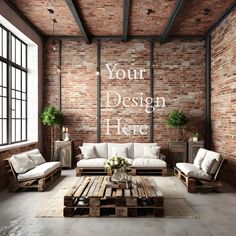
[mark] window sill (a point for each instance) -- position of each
(16, 145)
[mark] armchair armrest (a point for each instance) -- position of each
(162, 157)
(79, 157)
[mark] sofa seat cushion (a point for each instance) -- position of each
(39, 171)
(148, 163)
(92, 163)
(139, 148)
(193, 171)
(100, 149)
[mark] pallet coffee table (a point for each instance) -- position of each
(94, 196)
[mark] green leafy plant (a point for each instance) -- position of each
(177, 118)
(52, 117)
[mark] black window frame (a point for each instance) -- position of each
(10, 66)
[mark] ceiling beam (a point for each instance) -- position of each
(225, 14)
(177, 11)
(24, 18)
(126, 11)
(77, 14)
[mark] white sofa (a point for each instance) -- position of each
(143, 157)
(30, 170)
(202, 173)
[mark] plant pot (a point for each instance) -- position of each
(195, 139)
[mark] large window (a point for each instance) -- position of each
(13, 88)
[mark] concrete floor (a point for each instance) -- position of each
(217, 217)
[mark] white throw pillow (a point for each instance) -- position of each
(88, 152)
(207, 164)
(119, 151)
(37, 158)
(21, 163)
(151, 152)
(199, 157)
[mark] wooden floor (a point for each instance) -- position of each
(94, 196)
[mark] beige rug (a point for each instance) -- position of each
(174, 202)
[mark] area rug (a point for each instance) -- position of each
(175, 204)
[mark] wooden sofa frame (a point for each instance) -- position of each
(194, 184)
(134, 171)
(40, 183)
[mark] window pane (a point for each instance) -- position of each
(13, 49)
(23, 109)
(1, 72)
(23, 81)
(13, 108)
(4, 92)
(18, 80)
(23, 55)
(4, 45)
(13, 136)
(18, 52)
(1, 108)
(0, 41)
(23, 129)
(1, 129)
(13, 79)
(4, 74)
(4, 128)
(4, 107)
(18, 95)
(23, 96)
(18, 109)
(18, 130)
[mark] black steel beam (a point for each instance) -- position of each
(152, 90)
(98, 92)
(126, 19)
(24, 18)
(59, 74)
(120, 37)
(208, 94)
(77, 14)
(225, 14)
(178, 9)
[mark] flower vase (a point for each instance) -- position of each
(117, 175)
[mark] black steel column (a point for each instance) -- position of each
(98, 75)
(151, 88)
(208, 93)
(59, 74)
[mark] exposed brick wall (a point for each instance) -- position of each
(179, 78)
(224, 95)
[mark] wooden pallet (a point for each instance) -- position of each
(93, 196)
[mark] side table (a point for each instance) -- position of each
(193, 147)
(63, 153)
(177, 152)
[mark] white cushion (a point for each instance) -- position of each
(139, 148)
(151, 152)
(148, 162)
(92, 163)
(39, 171)
(193, 171)
(33, 151)
(88, 152)
(209, 160)
(100, 149)
(129, 146)
(119, 151)
(21, 163)
(199, 157)
(215, 166)
(37, 158)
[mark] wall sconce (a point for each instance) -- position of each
(58, 70)
(97, 73)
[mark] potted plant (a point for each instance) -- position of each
(52, 117)
(177, 119)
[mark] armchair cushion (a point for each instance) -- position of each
(39, 171)
(37, 158)
(199, 157)
(209, 162)
(193, 171)
(21, 163)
